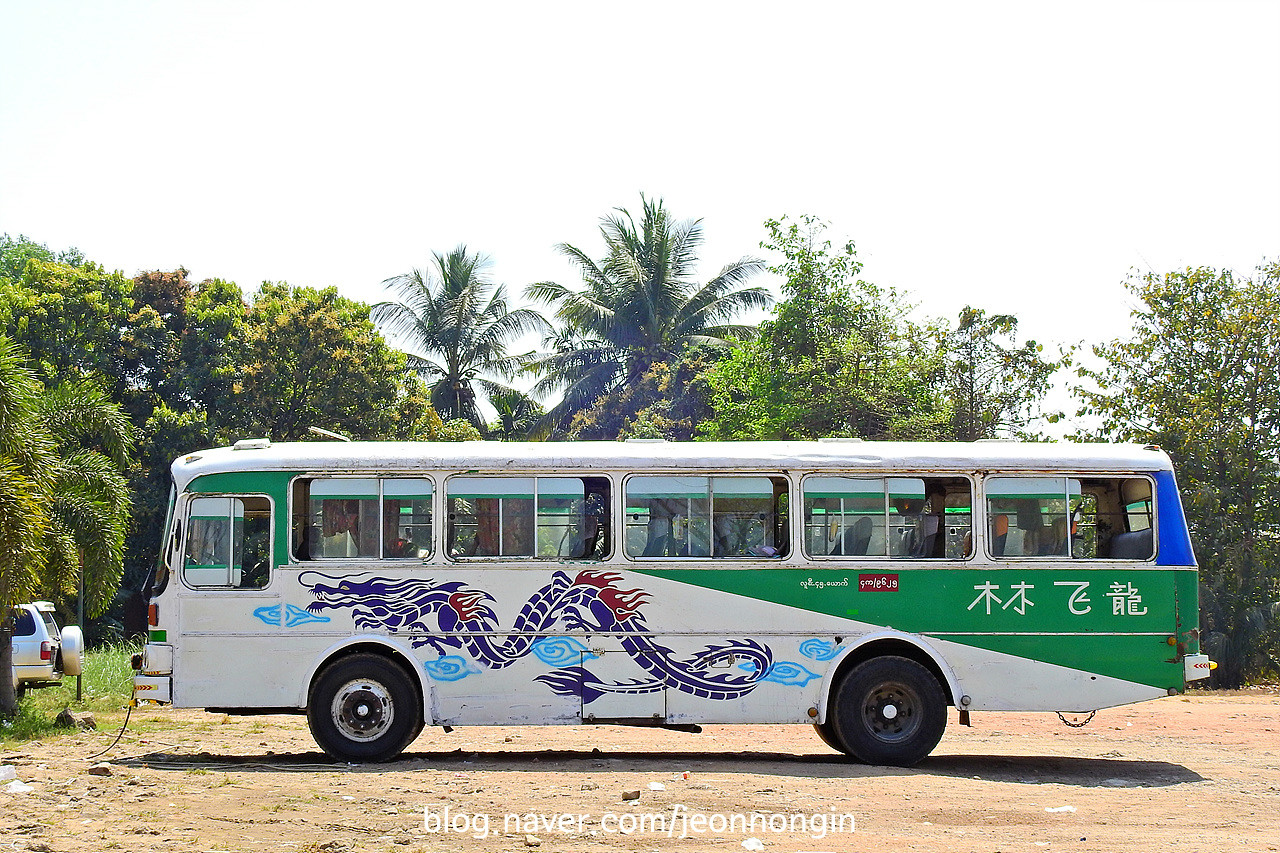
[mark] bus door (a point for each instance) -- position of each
(229, 609)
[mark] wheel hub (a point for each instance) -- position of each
(891, 712)
(362, 710)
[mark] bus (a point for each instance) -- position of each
(864, 588)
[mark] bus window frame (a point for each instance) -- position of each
(788, 515)
(1118, 476)
(884, 476)
(433, 478)
(532, 561)
(185, 534)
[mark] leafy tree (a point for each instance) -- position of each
(313, 358)
(15, 252)
(993, 388)
(70, 319)
(457, 326)
(429, 426)
(1200, 376)
(26, 460)
(640, 306)
(668, 401)
(64, 501)
(838, 357)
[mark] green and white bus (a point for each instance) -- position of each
(856, 586)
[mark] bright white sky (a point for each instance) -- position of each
(1020, 157)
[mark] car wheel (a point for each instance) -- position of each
(364, 707)
(890, 710)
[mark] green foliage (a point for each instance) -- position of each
(26, 461)
(667, 401)
(838, 358)
(1200, 376)
(429, 426)
(313, 358)
(640, 306)
(993, 388)
(64, 503)
(70, 320)
(89, 502)
(457, 326)
(16, 252)
(518, 415)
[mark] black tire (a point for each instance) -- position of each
(364, 707)
(827, 732)
(889, 710)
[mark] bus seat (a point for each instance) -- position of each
(858, 537)
(1030, 522)
(930, 524)
(1131, 546)
(1000, 528)
(659, 537)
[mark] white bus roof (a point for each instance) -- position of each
(587, 456)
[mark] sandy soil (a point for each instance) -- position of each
(1198, 773)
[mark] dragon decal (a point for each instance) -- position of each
(451, 617)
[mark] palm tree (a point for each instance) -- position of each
(64, 501)
(518, 415)
(89, 504)
(457, 326)
(640, 305)
(26, 458)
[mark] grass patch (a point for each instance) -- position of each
(107, 683)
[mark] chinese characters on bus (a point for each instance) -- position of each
(1126, 600)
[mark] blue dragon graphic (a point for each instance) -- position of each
(451, 616)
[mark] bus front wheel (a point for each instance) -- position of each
(364, 708)
(889, 710)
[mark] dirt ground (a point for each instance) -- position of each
(1198, 773)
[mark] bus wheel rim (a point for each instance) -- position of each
(362, 710)
(892, 712)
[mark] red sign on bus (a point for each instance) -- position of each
(877, 583)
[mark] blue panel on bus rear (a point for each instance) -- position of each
(1175, 541)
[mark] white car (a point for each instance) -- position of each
(41, 653)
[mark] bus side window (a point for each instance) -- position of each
(342, 519)
(406, 518)
(947, 532)
(228, 543)
(844, 516)
(1096, 518)
(345, 518)
(1032, 515)
(905, 518)
(1117, 519)
(722, 518)
(540, 518)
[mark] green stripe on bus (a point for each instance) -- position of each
(1117, 625)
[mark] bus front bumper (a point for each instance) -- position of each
(153, 679)
(152, 690)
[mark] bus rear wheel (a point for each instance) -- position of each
(889, 710)
(364, 708)
(827, 732)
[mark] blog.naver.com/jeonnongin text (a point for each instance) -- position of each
(678, 821)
